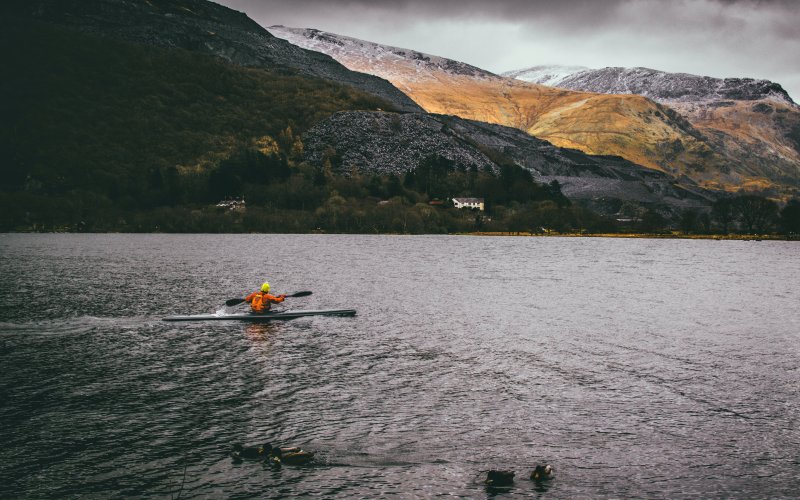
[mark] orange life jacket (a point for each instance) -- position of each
(260, 302)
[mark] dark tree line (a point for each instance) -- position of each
(746, 213)
(743, 214)
(284, 195)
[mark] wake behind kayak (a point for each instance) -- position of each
(272, 316)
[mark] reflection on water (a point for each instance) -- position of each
(262, 338)
(638, 368)
(260, 332)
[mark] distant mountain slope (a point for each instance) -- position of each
(630, 126)
(370, 142)
(753, 124)
(200, 26)
(657, 85)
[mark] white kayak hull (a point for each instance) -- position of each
(270, 316)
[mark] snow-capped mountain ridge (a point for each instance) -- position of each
(658, 85)
(368, 53)
(344, 47)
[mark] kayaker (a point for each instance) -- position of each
(261, 301)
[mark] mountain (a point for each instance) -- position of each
(204, 27)
(396, 144)
(390, 143)
(649, 133)
(753, 124)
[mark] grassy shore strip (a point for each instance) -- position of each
(675, 235)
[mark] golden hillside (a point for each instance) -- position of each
(760, 139)
(629, 126)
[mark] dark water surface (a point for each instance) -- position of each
(637, 368)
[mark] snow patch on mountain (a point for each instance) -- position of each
(382, 60)
(550, 75)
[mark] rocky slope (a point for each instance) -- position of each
(382, 142)
(753, 124)
(203, 26)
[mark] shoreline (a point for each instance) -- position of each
(671, 236)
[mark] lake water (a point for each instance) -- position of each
(635, 367)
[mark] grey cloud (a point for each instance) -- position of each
(578, 16)
(451, 9)
(510, 10)
(756, 38)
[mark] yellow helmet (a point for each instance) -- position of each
(265, 287)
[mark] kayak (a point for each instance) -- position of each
(270, 316)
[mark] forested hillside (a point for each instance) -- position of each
(92, 123)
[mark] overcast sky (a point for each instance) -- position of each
(722, 38)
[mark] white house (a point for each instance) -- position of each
(232, 204)
(468, 203)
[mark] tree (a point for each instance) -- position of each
(554, 190)
(723, 214)
(431, 173)
(690, 221)
(522, 220)
(790, 217)
(394, 187)
(223, 182)
(297, 149)
(652, 222)
(286, 139)
(332, 212)
(755, 213)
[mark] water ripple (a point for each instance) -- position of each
(637, 368)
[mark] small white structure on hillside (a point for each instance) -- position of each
(232, 204)
(468, 203)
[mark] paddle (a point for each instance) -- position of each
(233, 302)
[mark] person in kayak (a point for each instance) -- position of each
(261, 301)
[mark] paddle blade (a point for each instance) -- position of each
(300, 294)
(233, 302)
